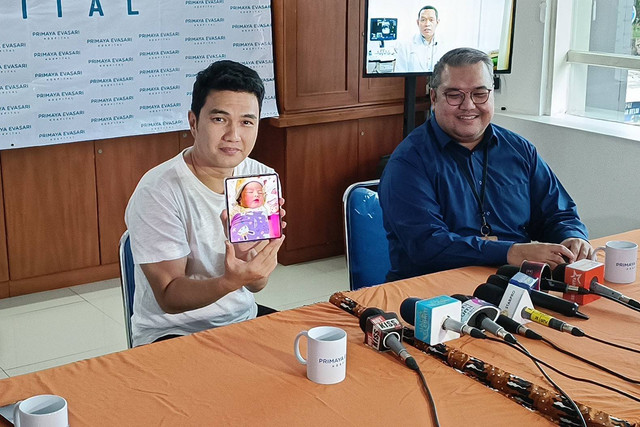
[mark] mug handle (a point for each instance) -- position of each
(594, 254)
(16, 414)
(296, 347)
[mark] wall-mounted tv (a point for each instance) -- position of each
(408, 37)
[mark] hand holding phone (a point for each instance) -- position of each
(253, 207)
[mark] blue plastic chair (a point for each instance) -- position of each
(127, 279)
(366, 243)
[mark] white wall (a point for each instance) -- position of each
(602, 173)
(598, 162)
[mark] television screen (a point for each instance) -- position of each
(408, 37)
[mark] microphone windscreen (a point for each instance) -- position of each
(460, 297)
(408, 310)
(558, 273)
(508, 271)
(499, 281)
(366, 314)
(489, 293)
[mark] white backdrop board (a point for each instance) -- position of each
(77, 70)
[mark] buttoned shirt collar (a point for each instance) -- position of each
(442, 139)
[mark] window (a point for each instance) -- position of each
(604, 57)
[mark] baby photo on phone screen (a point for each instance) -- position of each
(254, 212)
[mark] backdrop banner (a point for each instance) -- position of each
(78, 70)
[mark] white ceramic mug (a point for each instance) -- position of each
(326, 354)
(44, 410)
(620, 259)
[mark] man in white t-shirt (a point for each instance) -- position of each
(188, 276)
(421, 52)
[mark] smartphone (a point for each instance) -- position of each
(253, 207)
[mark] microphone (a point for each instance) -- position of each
(436, 320)
(607, 292)
(550, 321)
(494, 295)
(569, 273)
(476, 312)
(383, 331)
(542, 299)
(517, 328)
(581, 274)
(546, 284)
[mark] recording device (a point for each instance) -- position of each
(568, 271)
(383, 332)
(543, 299)
(253, 207)
(492, 293)
(480, 314)
(436, 320)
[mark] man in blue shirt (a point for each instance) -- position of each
(461, 191)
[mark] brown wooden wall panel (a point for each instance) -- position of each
(320, 44)
(377, 137)
(321, 162)
(4, 290)
(316, 50)
(63, 279)
(120, 163)
(50, 209)
(270, 149)
(381, 89)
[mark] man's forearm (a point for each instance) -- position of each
(185, 294)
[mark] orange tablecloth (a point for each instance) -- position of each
(246, 374)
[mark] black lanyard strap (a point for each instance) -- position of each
(485, 228)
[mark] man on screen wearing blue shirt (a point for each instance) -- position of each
(461, 191)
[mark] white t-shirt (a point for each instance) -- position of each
(172, 215)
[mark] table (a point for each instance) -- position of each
(246, 374)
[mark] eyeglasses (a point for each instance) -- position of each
(456, 97)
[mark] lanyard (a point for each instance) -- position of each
(485, 228)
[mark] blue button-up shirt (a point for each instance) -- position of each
(432, 218)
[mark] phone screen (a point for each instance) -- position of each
(253, 207)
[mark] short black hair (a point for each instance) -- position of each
(225, 75)
(428, 7)
(459, 57)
